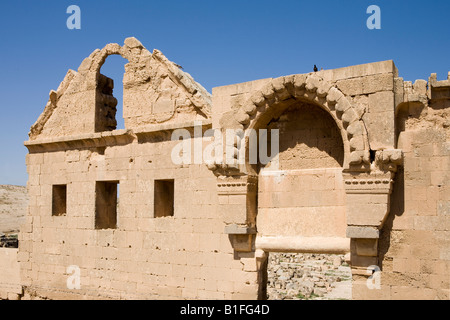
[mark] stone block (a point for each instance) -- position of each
(350, 87)
(363, 70)
(13, 296)
(367, 247)
(362, 232)
(360, 291)
(241, 242)
(378, 83)
(411, 293)
(379, 120)
(363, 262)
(371, 215)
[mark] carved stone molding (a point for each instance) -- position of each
(368, 183)
(368, 199)
(237, 185)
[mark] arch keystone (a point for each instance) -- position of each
(312, 83)
(300, 81)
(242, 117)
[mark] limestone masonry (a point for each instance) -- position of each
(363, 174)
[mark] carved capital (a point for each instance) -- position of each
(388, 160)
(368, 198)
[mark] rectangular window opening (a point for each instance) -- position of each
(164, 198)
(59, 200)
(106, 203)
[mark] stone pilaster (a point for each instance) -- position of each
(368, 204)
(238, 207)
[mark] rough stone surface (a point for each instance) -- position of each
(308, 277)
(308, 139)
(13, 208)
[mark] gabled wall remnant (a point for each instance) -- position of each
(155, 91)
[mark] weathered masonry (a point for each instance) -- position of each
(363, 170)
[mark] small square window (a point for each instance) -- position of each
(164, 198)
(106, 200)
(59, 200)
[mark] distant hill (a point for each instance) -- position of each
(13, 208)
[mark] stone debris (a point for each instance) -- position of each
(292, 276)
(9, 241)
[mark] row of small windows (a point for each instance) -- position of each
(106, 201)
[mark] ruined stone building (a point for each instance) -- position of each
(363, 170)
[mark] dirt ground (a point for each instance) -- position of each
(13, 207)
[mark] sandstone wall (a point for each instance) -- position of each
(302, 203)
(184, 256)
(415, 242)
(341, 162)
(10, 285)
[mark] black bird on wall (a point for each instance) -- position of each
(315, 68)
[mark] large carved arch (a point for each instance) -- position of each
(310, 88)
(368, 176)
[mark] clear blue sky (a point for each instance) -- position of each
(217, 42)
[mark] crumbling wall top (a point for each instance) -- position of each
(156, 90)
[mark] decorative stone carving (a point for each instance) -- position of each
(312, 88)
